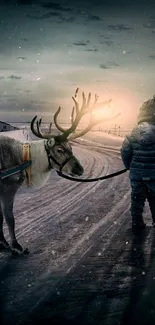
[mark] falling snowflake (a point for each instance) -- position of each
(99, 254)
(87, 218)
(124, 52)
(127, 242)
(53, 252)
(143, 273)
(38, 61)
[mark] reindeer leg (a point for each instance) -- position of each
(3, 243)
(7, 207)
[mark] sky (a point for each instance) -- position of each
(49, 48)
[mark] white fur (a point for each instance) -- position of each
(40, 171)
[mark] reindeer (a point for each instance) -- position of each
(52, 151)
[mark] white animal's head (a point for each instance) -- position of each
(60, 156)
(58, 149)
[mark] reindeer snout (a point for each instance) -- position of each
(77, 169)
(81, 171)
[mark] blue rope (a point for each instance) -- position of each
(11, 171)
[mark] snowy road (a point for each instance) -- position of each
(85, 266)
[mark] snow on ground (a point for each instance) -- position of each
(104, 138)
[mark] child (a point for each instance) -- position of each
(138, 155)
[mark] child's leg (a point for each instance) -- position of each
(138, 197)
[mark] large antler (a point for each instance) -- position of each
(38, 132)
(59, 127)
(78, 113)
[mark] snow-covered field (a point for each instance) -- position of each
(80, 245)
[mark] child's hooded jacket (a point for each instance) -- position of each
(138, 148)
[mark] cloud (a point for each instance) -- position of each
(152, 57)
(27, 91)
(119, 27)
(105, 36)
(14, 77)
(54, 6)
(24, 39)
(24, 2)
(104, 66)
(150, 25)
(1, 77)
(81, 43)
(39, 102)
(92, 50)
(45, 16)
(109, 66)
(21, 58)
(67, 19)
(114, 64)
(109, 43)
(94, 18)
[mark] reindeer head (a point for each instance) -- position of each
(58, 149)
